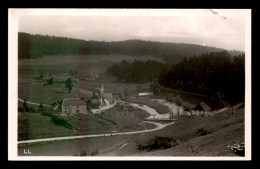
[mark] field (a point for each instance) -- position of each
(75, 147)
(36, 125)
(33, 89)
(61, 66)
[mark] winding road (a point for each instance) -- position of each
(107, 106)
(158, 127)
(153, 113)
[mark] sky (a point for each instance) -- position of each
(216, 31)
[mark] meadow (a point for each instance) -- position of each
(33, 89)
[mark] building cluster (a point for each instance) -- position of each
(94, 98)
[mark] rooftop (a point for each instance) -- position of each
(85, 93)
(72, 102)
(202, 106)
(95, 96)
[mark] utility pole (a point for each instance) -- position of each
(172, 114)
(178, 113)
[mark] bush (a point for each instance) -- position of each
(20, 109)
(202, 132)
(60, 121)
(50, 81)
(83, 153)
(158, 143)
(46, 113)
(32, 110)
(93, 153)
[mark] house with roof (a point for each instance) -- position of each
(98, 97)
(124, 111)
(200, 109)
(73, 106)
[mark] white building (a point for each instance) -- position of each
(73, 106)
(145, 94)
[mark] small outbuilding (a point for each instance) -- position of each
(202, 108)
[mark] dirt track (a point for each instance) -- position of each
(159, 127)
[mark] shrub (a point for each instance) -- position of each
(93, 153)
(83, 153)
(50, 81)
(46, 113)
(202, 132)
(60, 121)
(32, 110)
(20, 109)
(158, 143)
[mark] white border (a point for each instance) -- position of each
(13, 15)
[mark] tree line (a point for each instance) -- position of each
(215, 74)
(136, 71)
(35, 46)
(209, 74)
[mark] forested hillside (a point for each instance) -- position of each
(136, 71)
(208, 74)
(34, 46)
(213, 74)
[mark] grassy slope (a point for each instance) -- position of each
(35, 125)
(72, 147)
(225, 130)
(107, 122)
(35, 91)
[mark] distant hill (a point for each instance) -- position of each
(34, 46)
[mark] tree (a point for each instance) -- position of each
(41, 108)
(25, 106)
(178, 103)
(50, 81)
(207, 74)
(68, 84)
(126, 93)
(137, 71)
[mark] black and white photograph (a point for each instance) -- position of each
(129, 84)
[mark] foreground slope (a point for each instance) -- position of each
(198, 136)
